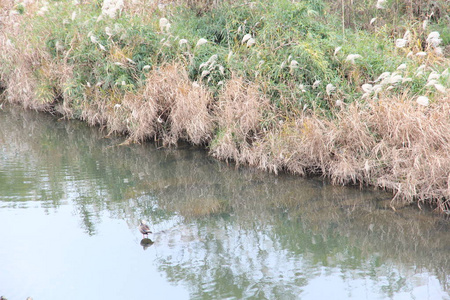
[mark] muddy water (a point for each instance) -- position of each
(71, 198)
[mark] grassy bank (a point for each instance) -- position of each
(356, 92)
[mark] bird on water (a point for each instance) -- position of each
(144, 229)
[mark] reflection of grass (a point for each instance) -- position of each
(324, 225)
(195, 208)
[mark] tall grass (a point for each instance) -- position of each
(304, 86)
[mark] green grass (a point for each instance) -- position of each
(285, 32)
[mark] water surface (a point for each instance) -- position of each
(71, 198)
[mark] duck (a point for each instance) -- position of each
(144, 229)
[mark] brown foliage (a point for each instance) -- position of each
(171, 107)
(239, 114)
(391, 143)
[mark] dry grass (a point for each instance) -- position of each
(392, 143)
(239, 115)
(22, 86)
(20, 62)
(170, 107)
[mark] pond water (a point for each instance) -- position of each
(71, 198)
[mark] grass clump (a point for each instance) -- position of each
(349, 90)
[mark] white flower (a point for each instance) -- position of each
(9, 44)
(251, 42)
(351, 57)
(110, 8)
(401, 43)
(59, 46)
(182, 42)
(205, 73)
(423, 100)
(230, 54)
(367, 87)
(433, 75)
(440, 88)
(293, 64)
(406, 35)
(213, 58)
(421, 68)
(377, 88)
(395, 78)
(164, 24)
(337, 50)
(401, 67)
(431, 82)
(42, 11)
(383, 76)
(246, 38)
(93, 39)
(108, 31)
(433, 39)
(201, 42)
(380, 4)
(330, 89)
(438, 51)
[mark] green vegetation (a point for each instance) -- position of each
(302, 86)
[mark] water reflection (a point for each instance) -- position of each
(146, 242)
(218, 232)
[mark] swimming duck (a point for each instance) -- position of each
(144, 229)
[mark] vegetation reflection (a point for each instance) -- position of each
(255, 234)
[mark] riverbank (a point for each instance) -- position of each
(303, 87)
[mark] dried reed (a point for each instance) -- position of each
(394, 144)
(239, 114)
(170, 107)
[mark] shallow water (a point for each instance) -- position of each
(71, 199)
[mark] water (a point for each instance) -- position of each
(71, 198)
